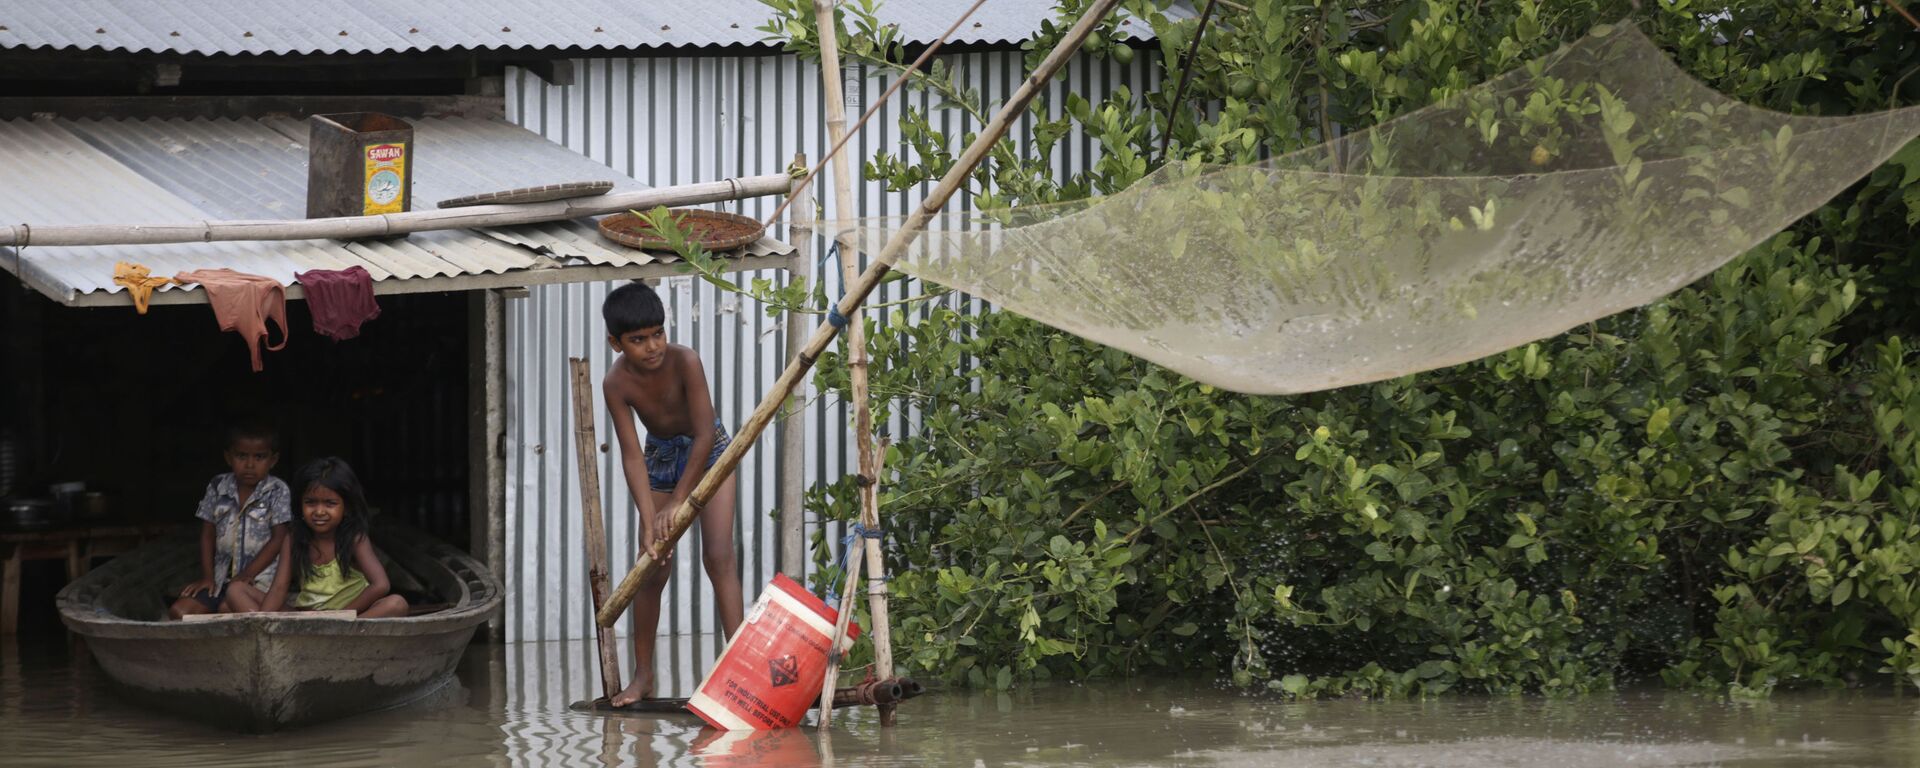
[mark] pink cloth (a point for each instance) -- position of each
(244, 303)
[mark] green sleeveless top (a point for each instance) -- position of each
(329, 587)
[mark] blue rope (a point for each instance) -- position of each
(833, 308)
(858, 531)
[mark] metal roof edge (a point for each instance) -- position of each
(518, 278)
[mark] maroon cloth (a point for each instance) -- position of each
(340, 299)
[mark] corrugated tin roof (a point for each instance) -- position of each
(175, 171)
(384, 26)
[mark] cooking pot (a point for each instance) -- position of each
(28, 514)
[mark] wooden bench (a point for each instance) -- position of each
(78, 545)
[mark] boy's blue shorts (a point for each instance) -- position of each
(667, 459)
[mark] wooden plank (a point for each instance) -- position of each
(587, 455)
(335, 615)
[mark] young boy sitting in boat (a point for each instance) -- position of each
(244, 517)
(666, 387)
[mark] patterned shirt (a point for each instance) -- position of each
(239, 535)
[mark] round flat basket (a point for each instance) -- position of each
(713, 230)
(538, 194)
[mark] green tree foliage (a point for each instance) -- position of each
(1720, 488)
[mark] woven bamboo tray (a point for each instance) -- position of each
(713, 230)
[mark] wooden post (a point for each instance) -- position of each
(486, 423)
(793, 429)
(856, 338)
(856, 294)
(587, 450)
(388, 224)
(10, 589)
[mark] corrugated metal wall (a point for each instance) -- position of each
(679, 120)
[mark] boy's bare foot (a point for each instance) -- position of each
(641, 688)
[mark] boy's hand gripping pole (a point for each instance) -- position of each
(849, 305)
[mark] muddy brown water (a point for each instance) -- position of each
(510, 709)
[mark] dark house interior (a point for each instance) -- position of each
(137, 407)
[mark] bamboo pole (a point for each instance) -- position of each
(877, 612)
(901, 80)
(385, 225)
(586, 449)
(823, 335)
(793, 434)
(830, 76)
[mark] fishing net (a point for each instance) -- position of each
(1590, 181)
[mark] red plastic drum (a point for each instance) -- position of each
(771, 673)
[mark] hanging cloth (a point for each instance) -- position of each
(340, 299)
(243, 303)
(139, 282)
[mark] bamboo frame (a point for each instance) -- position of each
(586, 449)
(857, 360)
(390, 224)
(856, 294)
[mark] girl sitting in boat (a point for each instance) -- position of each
(328, 562)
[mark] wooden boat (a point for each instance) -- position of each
(262, 672)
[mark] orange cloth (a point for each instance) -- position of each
(139, 282)
(244, 303)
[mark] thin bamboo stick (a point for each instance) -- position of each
(384, 225)
(854, 553)
(586, 449)
(824, 335)
(830, 76)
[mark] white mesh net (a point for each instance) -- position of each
(1593, 180)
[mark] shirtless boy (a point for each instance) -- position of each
(665, 386)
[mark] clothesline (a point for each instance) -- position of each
(341, 300)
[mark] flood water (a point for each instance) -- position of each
(511, 710)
